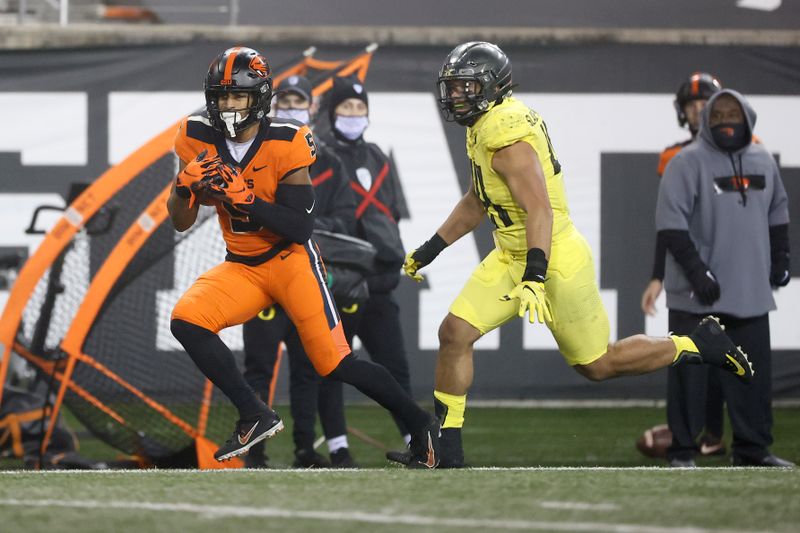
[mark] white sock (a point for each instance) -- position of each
(337, 443)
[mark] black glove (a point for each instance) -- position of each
(705, 285)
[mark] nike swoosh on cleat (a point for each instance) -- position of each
(708, 449)
(248, 435)
(431, 462)
(740, 371)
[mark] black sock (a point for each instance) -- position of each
(376, 382)
(216, 361)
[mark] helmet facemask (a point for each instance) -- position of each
(461, 99)
(234, 121)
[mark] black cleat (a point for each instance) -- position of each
(309, 458)
(717, 349)
(423, 451)
(682, 463)
(404, 458)
(424, 446)
(452, 452)
(249, 432)
(341, 458)
(768, 460)
(256, 457)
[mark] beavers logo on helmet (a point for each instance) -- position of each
(260, 66)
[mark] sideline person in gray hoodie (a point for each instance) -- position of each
(723, 212)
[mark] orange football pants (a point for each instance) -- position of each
(232, 293)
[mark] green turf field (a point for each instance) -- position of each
(568, 494)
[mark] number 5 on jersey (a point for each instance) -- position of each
(311, 145)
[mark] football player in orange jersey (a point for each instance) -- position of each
(255, 171)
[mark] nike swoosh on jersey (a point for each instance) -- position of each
(256, 169)
(312, 206)
(248, 434)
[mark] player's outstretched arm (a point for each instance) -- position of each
(464, 218)
(181, 215)
(518, 164)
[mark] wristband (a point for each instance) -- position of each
(536, 266)
(435, 245)
(429, 250)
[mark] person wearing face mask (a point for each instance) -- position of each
(379, 205)
(308, 394)
(722, 212)
(690, 99)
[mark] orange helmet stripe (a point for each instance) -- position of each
(696, 84)
(233, 52)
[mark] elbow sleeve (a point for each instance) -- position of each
(779, 241)
(660, 257)
(682, 248)
(291, 216)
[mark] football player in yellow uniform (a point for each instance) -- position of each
(541, 263)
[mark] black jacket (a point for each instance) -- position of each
(379, 205)
(335, 200)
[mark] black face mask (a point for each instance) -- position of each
(731, 137)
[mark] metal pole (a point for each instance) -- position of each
(234, 12)
(63, 15)
(23, 6)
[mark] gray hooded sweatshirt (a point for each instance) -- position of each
(727, 217)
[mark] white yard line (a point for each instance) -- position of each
(225, 511)
(579, 506)
(325, 471)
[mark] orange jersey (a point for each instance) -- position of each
(279, 148)
(668, 154)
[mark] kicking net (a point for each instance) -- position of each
(142, 372)
(131, 383)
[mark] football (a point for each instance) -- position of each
(655, 441)
(205, 199)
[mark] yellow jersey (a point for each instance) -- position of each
(504, 124)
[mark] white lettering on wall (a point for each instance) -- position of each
(45, 128)
(135, 117)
